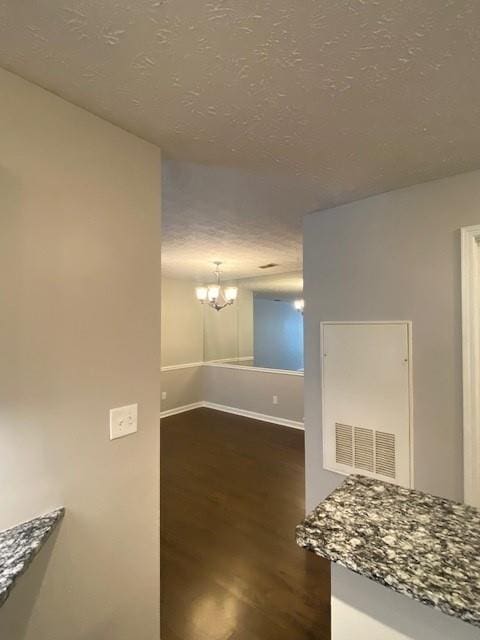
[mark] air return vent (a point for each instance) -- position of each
(364, 449)
(366, 391)
(385, 454)
(344, 444)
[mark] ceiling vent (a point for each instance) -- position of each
(270, 265)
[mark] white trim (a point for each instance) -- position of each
(366, 322)
(186, 365)
(183, 409)
(410, 401)
(227, 360)
(284, 422)
(470, 236)
(242, 367)
(225, 364)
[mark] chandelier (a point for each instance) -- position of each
(215, 295)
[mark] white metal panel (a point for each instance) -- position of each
(367, 385)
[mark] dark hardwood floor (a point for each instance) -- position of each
(232, 493)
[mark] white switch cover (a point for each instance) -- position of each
(123, 421)
(164, 395)
(275, 399)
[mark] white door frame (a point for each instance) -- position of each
(471, 362)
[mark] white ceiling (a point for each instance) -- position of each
(354, 96)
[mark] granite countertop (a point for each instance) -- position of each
(20, 544)
(421, 546)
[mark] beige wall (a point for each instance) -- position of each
(395, 257)
(79, 334)
(182, 387)
(229, 332)
(192, 332)
(245, 323)
(182, 323)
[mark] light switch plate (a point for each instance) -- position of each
(164, 395)
(123, 421)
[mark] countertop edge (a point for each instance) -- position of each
(313, 534)
(55, 517)
(378, 579)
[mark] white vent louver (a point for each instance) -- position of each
(344, 444)
(385, 454)
(365, 450)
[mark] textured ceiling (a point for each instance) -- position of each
(354, 96)
(242, 219)
(283, 286)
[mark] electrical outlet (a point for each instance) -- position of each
(275, 399)
(164, 395)
(123, 421)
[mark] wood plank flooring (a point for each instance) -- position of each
(232, 493)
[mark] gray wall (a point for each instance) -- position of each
(253, 391)
(79, 334)
(395, 257)
(278, 335)
(378, 613)
(234, 387)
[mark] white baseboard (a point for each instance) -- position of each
(284, 422)
(186, 407)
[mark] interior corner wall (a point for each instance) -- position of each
(182, 323)
(237, 388)
(182, 387)
(395, 256)
(79, 334)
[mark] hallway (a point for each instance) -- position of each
(232, 493)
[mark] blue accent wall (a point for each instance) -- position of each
(277, 335)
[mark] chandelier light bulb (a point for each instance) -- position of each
(201, 293)
(231, 294)
(213, 292)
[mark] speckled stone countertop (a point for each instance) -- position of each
(422, 546)
(20, 544)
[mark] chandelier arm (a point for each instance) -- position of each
(204, 293)
(219, 307)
